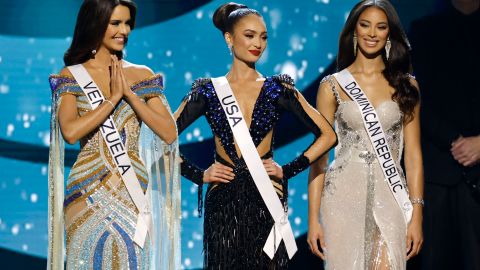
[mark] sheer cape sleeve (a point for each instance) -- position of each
(60, 86)
(162, 162)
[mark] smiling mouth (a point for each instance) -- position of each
(255, 52)
(371, 43)
(121, 40)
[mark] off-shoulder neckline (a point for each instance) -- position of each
(149, 78)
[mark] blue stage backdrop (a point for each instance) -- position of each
(176, 39)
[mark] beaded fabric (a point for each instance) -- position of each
(100, 216)
(237, 222)
(364, 227)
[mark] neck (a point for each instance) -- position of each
(363, 64)
(242, 71)
(466, 6)
(102, 59)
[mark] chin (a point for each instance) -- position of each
(115, 49)
(371, 51)
(253, 58)
(249, 59)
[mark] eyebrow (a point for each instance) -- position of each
(365, 20)
(119, 20)
(250, 30)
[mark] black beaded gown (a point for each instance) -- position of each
(237, 221)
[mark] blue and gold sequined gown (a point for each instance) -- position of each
(100, 216)
(237, 222)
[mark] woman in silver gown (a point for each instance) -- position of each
(354, 220)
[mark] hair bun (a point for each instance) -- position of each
(220, 17)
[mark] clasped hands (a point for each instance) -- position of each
(118, 84)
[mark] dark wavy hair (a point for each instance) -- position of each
(227, 15)
(398, 67)
(92, 22)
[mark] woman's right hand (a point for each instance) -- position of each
(315, 235)
(218, 172)
(116, 82)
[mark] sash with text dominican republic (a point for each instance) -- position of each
(379, 141)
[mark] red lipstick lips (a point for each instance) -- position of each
(255, 52)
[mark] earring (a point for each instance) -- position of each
(94, 52)
(388, 46)
(354, 44)
(230, 49)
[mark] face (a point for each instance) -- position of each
(249, 38)
(118, 29)
(372, 31)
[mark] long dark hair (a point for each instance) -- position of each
(92, 22)
(398, 67)
(227, 15)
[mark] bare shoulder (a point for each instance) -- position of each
(328, 85)
(65, 72)
(137, 72)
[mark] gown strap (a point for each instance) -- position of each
(330, 79)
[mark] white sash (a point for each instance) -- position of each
(281, 229)
(119, 154)
(379, 142)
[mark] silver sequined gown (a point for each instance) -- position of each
(359, 215)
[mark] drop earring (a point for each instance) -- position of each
(230, 49)
(355, 44)
(388, 46)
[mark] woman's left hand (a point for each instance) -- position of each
(414, 238)
(127, 92)
(273, 169)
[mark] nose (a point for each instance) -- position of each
(372, 32)
(258, 43)
(124, 29)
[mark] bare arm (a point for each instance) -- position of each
(414, 173)
(75, 127)
(413, 161)
(326, 105)
(328, 137)
(154, 113)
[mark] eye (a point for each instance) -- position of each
(249, 35)
(364, 25)
(264, 37)
(115, 23)
(383, 27)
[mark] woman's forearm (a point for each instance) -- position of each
(75, 127)
(155, 115)
(316, 178)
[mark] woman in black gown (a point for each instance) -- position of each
(237, 221)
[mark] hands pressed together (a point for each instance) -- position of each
(118, 84)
